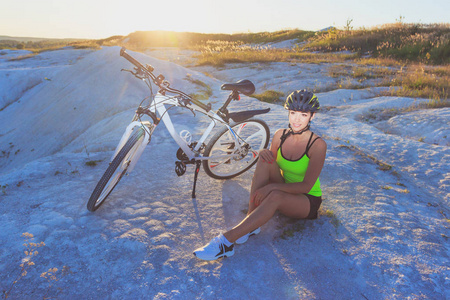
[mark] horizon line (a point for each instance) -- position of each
(12, 37)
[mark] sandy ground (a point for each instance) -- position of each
(383, 232)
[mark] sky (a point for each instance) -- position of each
(104, 18)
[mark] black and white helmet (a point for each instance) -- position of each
(302, 101)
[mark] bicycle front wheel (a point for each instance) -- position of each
(117, 168)
(228, 159)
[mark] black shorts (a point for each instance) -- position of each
(314, 203)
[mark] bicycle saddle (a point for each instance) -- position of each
(245, 87)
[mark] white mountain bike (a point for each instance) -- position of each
(231, 151)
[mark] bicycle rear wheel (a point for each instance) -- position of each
(117, 168)
(227, 160)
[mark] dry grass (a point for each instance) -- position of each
(389, 44)
(22, 57)
(86, 45)
(415, 81)
(360, 72)
(379, 61)
(146, 39)
(271, 37)
(219, 53)
(426, 43)
(205, 90)
(269, 96)
(419, 81)
(56, 44)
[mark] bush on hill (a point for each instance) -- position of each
(427, 43)
(424, 43)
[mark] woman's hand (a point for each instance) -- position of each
(266, 155)
(260, 194)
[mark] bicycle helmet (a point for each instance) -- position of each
(302, 101)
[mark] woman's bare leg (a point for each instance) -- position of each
(265, 173)
(291, 205)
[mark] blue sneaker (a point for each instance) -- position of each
(217, 248)
(244, 238)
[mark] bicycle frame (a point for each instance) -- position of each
(159, 105)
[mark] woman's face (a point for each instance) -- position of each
(299, 119)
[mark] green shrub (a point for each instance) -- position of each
(92, 163)
(422, 82)
(206, 91)
(269, 96)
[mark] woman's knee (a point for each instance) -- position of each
(269, 169)
(262, 170)
(274, 198)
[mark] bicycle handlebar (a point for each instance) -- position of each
(159, 81)
(135, 62)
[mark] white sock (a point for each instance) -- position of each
(225, 241)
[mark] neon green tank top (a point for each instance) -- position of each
(295, 170)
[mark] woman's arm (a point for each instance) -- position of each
(317, 158)
(270, 155)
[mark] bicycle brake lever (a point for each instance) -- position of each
(139, 72)
(184, 102)
(135, 74)
(149, 68)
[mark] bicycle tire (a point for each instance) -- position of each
(256, 135)
(114, 173)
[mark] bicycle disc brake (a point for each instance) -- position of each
(241, 152)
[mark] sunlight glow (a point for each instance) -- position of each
(102, 19)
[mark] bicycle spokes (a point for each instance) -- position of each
(237, 148)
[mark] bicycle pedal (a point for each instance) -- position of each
(180, 168)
